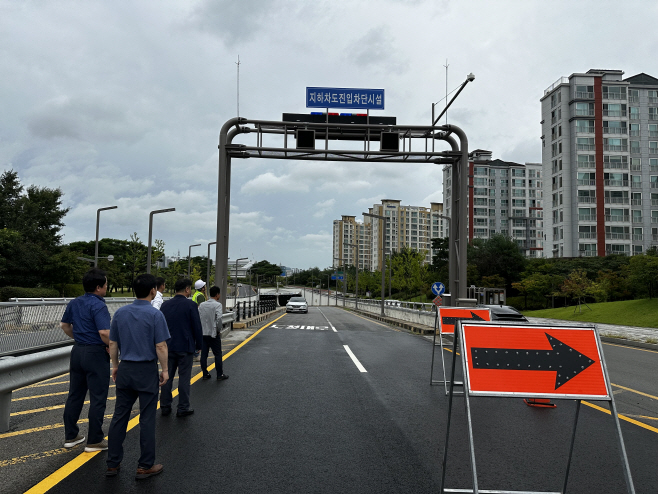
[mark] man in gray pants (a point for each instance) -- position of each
(139, 331)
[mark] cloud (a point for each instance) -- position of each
(323, 207)
(377, 50)
(87, 118)
(268, 183)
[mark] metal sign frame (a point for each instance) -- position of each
(469, 423)
(445, 381)
(423, 138)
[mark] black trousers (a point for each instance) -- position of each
(135, 380)
(183, 362)
(214, 344)
(89, 371)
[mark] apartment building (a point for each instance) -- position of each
(504, 198)
(406, 226)
(600, 162)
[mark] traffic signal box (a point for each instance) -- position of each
(540, 362)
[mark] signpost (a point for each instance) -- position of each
(438, 288)
(446, 319)
(564, 362)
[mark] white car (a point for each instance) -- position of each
(297, 304)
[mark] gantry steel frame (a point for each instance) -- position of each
(424, 137)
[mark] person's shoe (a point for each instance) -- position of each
(69, 443)
(206, 377)
(101, 446)
(222, 377)
(164, 411)
(185, 413)
(143, 473)
(112, 471)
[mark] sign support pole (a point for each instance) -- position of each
(573, 440)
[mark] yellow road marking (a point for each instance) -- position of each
(635, 391)
(40, 396)
(42, 385)
(54, 407)
(66, 470)
(641, 416)
(34, 456)
(42, 428)
(630, 347)
(622, 417)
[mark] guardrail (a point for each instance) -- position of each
(414, 312)
(18, 372)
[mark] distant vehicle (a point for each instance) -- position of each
(504, 313)
(239, 285)
(297, 304)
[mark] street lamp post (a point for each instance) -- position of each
(356, 288)
(148, 253)
(208, 263)
(98, 218)
(342, 259)
(385, 220)
(189, 259)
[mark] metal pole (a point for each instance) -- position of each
(189, 259)
(98, 218)
(148, 253)
(208, 265)
(385, 219)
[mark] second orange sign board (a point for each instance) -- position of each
(449, 316)
(533, 361)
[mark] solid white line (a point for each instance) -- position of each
(354, 359)
(328, 321)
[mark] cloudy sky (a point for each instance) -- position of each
(120, 103)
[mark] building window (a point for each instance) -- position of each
(612, 127)
(634, 112)
(634, 130)
(585, 92)
(614, 110)
(614, 92)
(585, 144)
(586, 126)
(586, 161)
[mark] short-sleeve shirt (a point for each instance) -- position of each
(88, 314)
(137, 328)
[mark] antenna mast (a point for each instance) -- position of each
(238, 65)
(446, 66)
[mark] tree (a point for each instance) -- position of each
(577, 285)
(498, 255)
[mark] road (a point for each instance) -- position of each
(332, 402)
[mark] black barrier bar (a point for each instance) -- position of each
(237, 312)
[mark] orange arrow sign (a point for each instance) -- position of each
(449, 316)
(532, 361)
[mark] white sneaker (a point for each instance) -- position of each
(69, 443)
(101, 446)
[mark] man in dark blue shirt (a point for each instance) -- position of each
(184, 324)
(139, 332)
(87, 320)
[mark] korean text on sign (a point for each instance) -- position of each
(323, 97)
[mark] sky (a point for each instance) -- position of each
(121, 103)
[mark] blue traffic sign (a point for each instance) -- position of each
(336, 97)
(339, 277)
(438, 288)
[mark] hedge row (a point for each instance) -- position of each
(7, 292)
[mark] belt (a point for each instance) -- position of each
(139, 361)
(91, 344)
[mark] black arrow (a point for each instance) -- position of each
(563, 359)
(453, 320)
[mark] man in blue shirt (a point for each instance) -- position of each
(182, 317)
(139, 332)
(87, 320)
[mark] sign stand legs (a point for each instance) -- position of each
(450, 396)
(573, 440)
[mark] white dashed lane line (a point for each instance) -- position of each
(354, 359)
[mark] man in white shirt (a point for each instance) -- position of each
(211, 312)
(157, 300)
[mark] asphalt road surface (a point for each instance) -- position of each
(332, 402)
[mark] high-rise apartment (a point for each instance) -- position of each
(406, 226)
(600, 162)
(504, 198)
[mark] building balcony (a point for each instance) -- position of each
(584, 113)
(586, 182)
(585, 147)
(634, 116)
(583, 95)
(615, 183)
(636, 150)
(636, 202)
(617, 218)
(609, 252)
(653, 151)
(615, 148)
(637, 236)
(586, 235)
(615, 165)
(654, 185)
(636, 168)
(616, 200)
(586, 217)
(634, 133)
(614, 113)
(654, 202)
(584, 130)
(614, 130)
(654, 219)
(653, 100)
(585, 200)
(587, 253)
(586, 164)
(633, 99)
(618, 236)
(636, 185)
(638, 219)
(653, 116)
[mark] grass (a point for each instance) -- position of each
(642, 313)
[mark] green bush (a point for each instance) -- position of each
(8, 292)
(73, 290)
